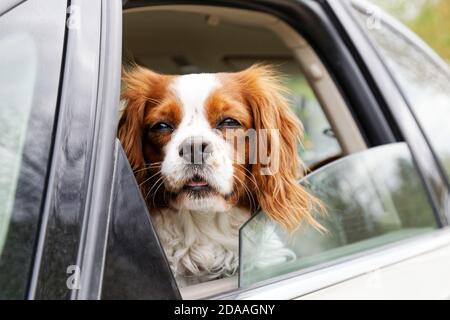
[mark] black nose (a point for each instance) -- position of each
(195, 150)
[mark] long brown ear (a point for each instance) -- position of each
(279, 194)
(141, 88)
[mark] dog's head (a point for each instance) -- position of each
(211, 142)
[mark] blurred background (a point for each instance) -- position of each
(430, 19)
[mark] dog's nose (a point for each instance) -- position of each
(195, 150)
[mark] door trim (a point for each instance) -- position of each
(306, 281)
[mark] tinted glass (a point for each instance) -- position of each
(31, 42)
(425, 84)
(135, 265)
(372, 198)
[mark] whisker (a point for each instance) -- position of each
(156, 191)
(146, 167)
(149, 191)
(252, 176)
(247, 192)
(251, 198)
(252, 179)
(146, 180)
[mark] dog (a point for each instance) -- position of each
(200, 187)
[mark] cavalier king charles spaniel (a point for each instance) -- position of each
(199, 184)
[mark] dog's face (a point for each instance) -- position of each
(187, 139)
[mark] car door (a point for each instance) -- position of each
(395, 52)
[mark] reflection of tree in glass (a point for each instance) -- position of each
(430, 19)
(425, 84)
(409, 60)
(365, 200)
(345, 193)
(410, 198)
(372, 198)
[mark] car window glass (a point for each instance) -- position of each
(17, 78)
(319, 141)
(372, 198)
(30, 62)
(425, 84)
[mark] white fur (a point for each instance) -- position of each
(205, 246)
(192, 91)
(201, 246)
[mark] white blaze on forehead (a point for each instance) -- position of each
(193, 90)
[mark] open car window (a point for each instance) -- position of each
(206, 46)
(372, 198)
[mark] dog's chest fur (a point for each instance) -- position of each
(201, 246)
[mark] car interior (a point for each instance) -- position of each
(180, 39)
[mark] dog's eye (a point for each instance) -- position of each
(228, 123)
(162, 126)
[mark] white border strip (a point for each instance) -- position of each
(307, 283)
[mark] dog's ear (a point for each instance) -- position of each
(279, 132)
(141, 88)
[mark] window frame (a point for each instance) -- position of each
(297, 284)
(77, 221)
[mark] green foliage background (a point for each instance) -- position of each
(430, 19)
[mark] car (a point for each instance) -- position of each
(374, 100)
